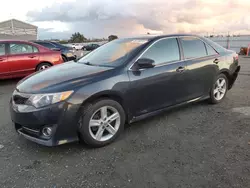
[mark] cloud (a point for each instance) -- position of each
(99, 18)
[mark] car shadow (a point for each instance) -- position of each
(9, 82)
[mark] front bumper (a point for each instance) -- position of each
(72, 58)
(61, 118)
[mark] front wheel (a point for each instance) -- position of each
(219, 89)
(101, 123)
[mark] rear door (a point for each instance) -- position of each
(4, 67)
(161, 86)
(22, 58)
(201, 60)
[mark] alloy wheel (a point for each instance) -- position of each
(220, 89)
(104, 123)
(44, 67)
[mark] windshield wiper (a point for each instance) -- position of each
(87, 63)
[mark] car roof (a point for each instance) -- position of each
(40, 41)
(153, 37)
(14, 40)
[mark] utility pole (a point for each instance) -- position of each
(228, 40)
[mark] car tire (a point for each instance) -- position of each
(43, 66)
(219, 89)
(95, 127)
(64, 59)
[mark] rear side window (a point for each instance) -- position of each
(21, 48)
(210, 50)
(2, 49)
(193, 47)
(165, 50)
(35, 50)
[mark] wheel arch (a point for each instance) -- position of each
(229, 78)
(116, 96)
(64, 56)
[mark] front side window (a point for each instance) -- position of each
(193, 47)
(2, 49)
(21, 48)
(164, 50)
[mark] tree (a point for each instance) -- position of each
(112, 37)
(77, 38)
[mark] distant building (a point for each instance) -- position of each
(17, 30)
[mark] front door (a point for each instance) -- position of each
(23, 58)
(4, 67)
(160, 86)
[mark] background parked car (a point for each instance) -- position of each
(67, 53)
(77, 46)
(90, 47)
(243, 51)
(20, 58)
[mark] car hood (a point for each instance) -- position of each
(61, 77)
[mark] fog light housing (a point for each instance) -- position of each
(47, 131)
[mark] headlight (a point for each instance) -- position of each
(41, 100)
(70, 54)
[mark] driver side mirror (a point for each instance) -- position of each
(145, 63)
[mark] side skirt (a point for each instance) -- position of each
(150, 114)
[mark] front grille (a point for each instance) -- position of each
(18, 99)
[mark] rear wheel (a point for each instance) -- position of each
(219, 90)
(43, 66)
(101, 123)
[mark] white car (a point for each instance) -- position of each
(77, 46)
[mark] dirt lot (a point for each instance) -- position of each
(196, 146)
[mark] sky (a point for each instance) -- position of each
(101, 18)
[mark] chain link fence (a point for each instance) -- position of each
(234, 43)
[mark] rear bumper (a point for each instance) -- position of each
(234, 77)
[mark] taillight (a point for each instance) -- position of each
(236, 57)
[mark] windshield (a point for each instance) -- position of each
(113, 53)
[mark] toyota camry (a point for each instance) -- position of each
(120, 82)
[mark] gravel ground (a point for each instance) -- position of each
(199, 145)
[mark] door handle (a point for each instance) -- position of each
(180, 69)
(2, 59)
(31, 56)
(216, 61)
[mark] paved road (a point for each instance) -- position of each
(199, 145)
